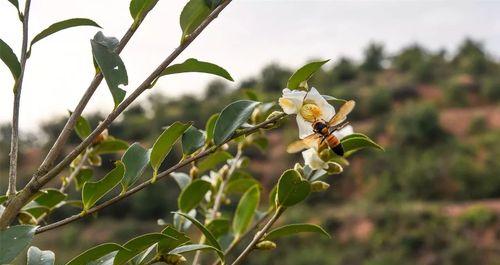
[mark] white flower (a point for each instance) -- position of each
(347, 130)
(309, 107)
(312, 159)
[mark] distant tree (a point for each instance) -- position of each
(471, 58)
(374, 56)
(216, 89)
(273, 77)
(410, 58)
(345, 70)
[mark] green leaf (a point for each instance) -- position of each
(93, 191)
(3, 198)
(95, 253)
(181, 178)
(135, 246)
(14, 240)
(139, 7)
(15, 3)
(246, 210)
(219, 227)
(104, 260)
(111, 65)
(39, 257)
(210, 126)
(61, 25)
(82, 128)
(192, 15)
(83, 176)
(193, 194)
(303, 74)
(334, 99)
(110, 146)
(177, 239)
(35, 210)
(164, 144)
(50, 197)
(208, 235)
(192, 140)
(193, 65)
(213, 3)
(10, 59)
(353, 143)
(273, 197)
(196, 247)
(135, 160)
(240, 186)
(231, 118)
(293, 229)
(292, 189)
(213, 160)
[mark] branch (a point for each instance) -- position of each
(160, 176)
(258, 236)
(37, 182)
(14, 140)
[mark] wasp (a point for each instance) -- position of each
(323, 132)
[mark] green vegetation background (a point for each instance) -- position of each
(432, 198)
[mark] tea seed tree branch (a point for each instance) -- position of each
(14, 140)
(36, 182)
(259, 235)
(160, 176)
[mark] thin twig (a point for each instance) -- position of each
(37, 182)
(14, 140)
(65, 184)
(218, 198)
(259, 235)
(160, 176)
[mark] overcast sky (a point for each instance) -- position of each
(246, 36)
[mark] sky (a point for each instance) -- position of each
(246, 36)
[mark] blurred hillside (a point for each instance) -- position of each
(433, 197)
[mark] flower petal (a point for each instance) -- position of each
(312, 159)
(343, 132)
(305, 127)
(292, 100)
(327, 110)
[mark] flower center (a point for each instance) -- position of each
(310, 112)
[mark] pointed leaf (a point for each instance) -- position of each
(210, 126)
(231, 118)
(110, 146)
(292, 189)
(219, 227)
(135, 246)
(111, 65)
(164, 143)
(192, 15)
(93, 191)
(177, 239)
(192, 140)
(213, 160)
(303, 74)
(50, 197)
(15, 3)
(246, 210)
(193, 65)
(139, 7)
(210, 238)
(357, 142)
(240, 186)
(61, 25)
(95, 253)
(135, 160)
(14, 240)
(82, 128)
(10, 59)
(193, 194)
(39, 257)
(293, 229)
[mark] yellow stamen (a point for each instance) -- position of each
(310, 112)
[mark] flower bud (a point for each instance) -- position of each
(319, 186)
(334, 168)
(298, 167)
(193, 172)
(103, 136)
(265, 245)
(310, 112)
(174, 259)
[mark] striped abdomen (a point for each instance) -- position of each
(334, 144)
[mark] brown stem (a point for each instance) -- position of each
(14, 140)
(160, 176)
(37, 182)
(258, 236)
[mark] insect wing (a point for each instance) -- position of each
(341, 115)
(308, 142)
